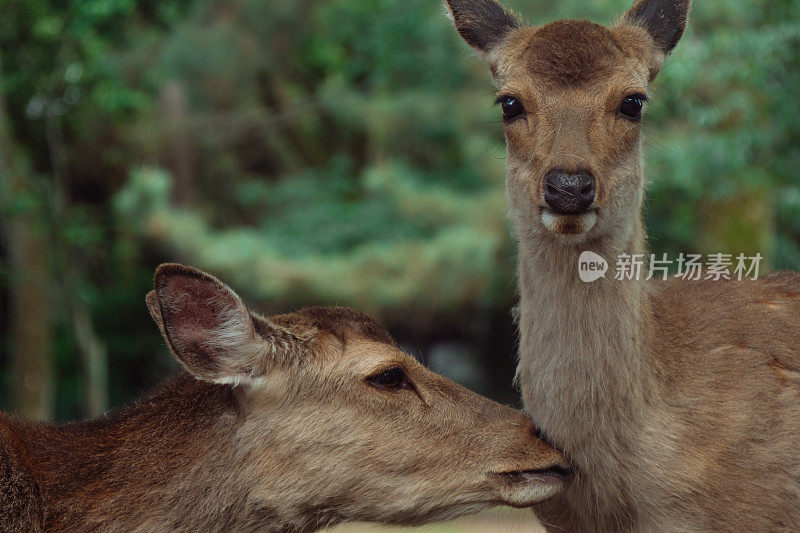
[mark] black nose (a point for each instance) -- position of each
(569, 193)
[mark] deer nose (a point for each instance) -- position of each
(569, 193)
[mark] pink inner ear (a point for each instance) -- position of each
(205, 321)
(196, 304)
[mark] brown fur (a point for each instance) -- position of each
(569, 53)
(283, 432)
(678, 401)
(340, 322)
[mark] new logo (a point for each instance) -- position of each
(591, 266)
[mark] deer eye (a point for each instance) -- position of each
(512, 108)
(392, 378)
(631, 106)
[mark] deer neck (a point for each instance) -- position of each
(583, 364)
(171, 463)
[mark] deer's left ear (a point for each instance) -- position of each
(481, 23)
(210, 331)
(664, 20)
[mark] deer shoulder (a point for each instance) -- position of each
(21, 507)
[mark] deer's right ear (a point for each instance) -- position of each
(208, 328)
(481, 23)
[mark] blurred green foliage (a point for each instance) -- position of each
(346, 151)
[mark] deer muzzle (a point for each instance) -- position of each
(522, 488)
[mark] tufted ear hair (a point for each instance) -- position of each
(481, 23)
(210, 331)
(664, 20)
(155, 311)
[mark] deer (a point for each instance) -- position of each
(286, 423)
(677, 402)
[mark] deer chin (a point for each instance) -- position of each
(568, 224)
(523, 488)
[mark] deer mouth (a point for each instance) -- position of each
(566, 224)
(552, 474)
(523, 488)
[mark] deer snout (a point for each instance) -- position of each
(534, 471)
(524, 487)
(569, 193)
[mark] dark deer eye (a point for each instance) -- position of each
(631, 106)
(512, 108)
(392, 378)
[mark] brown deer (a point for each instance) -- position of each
(677, 402)
(287, 423)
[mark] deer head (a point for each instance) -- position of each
(572, 94)
(336, 419)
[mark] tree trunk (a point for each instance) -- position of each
(68, 264)
(31, 365)
(95, 362)
(30, 314)
(178, 155)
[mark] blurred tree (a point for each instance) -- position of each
(178, 145)
(57, 85)
(346, 151)
(725, 155)
(31, 336)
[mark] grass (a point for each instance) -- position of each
(501, 520)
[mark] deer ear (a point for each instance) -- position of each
(208, 328)
(664, 20)
(155, 310)
(481, 23)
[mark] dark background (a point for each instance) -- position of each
(329, 151)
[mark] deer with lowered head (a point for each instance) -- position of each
(288, 423)
(677, 402)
